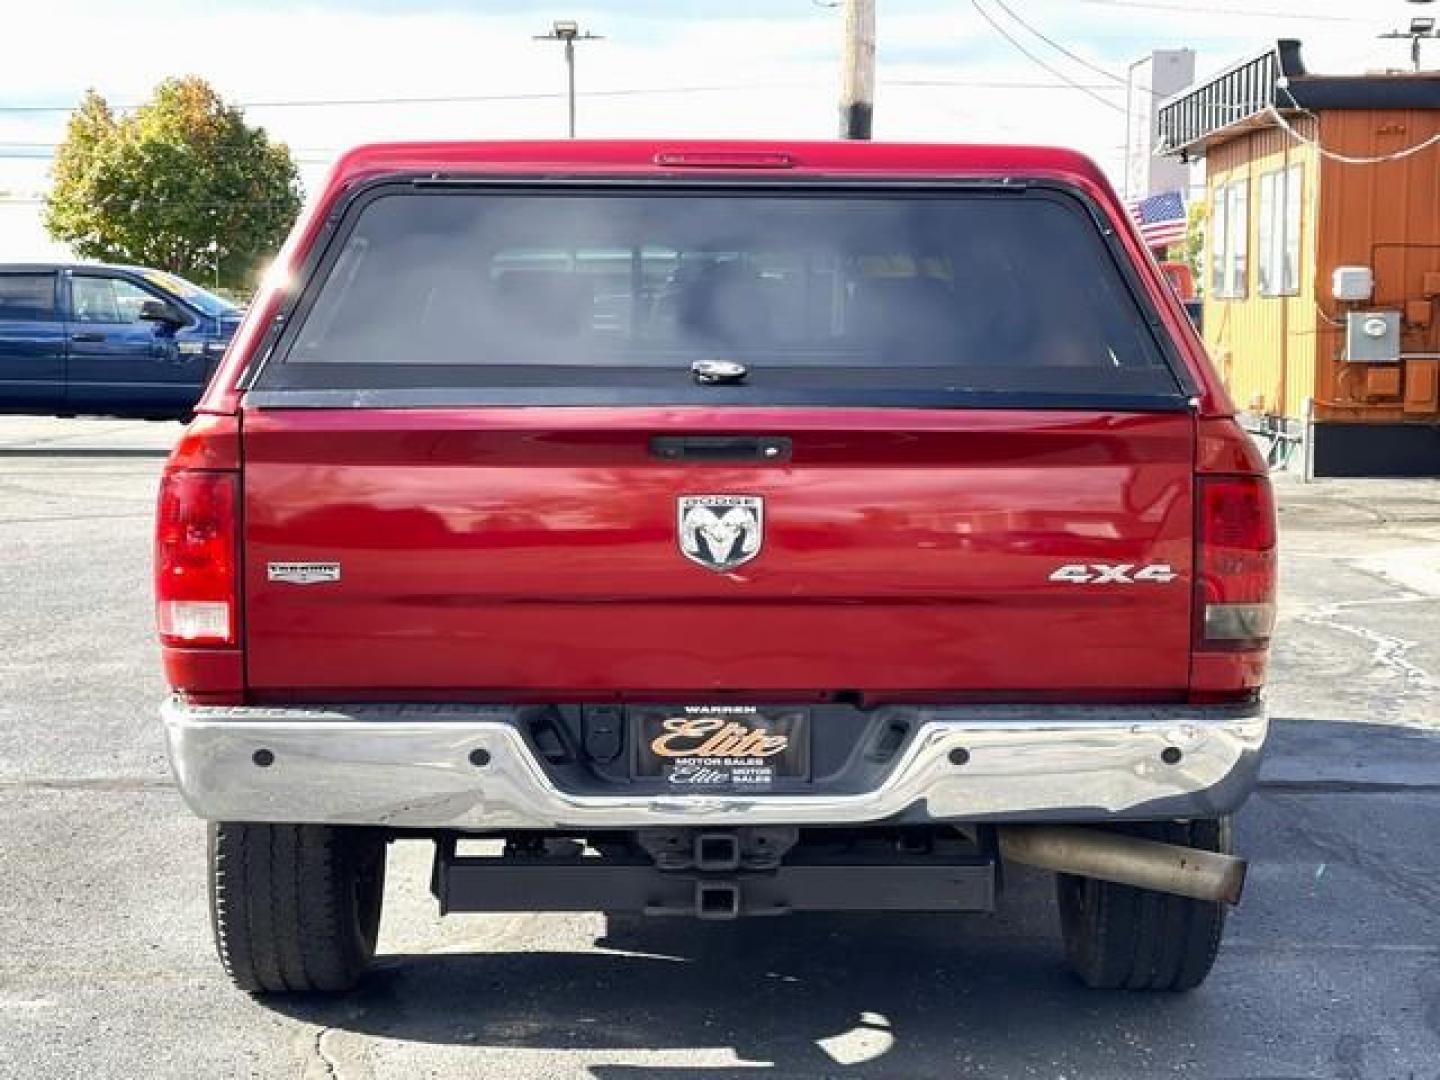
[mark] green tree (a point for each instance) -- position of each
(1191, 250)
(182, 183)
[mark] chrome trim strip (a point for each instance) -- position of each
(410, 766)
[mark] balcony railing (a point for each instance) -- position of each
(1239, 93)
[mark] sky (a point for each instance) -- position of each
(672, 68)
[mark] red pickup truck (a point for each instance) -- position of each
(716, 529)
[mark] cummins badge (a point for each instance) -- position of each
(720, 531)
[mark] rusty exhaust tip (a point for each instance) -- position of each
(1126, 860)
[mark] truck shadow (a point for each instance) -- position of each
(1340, 825)
(805, 995)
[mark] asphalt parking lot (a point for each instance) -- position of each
(1331, 967)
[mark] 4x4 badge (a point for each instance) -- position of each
(720, 531)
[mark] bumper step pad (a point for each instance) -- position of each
(720, 874)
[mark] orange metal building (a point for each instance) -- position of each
(1352, 384)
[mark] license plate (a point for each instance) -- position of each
(729, 746)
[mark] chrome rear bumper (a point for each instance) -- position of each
(412, 766)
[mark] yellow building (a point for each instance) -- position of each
(1306, 175)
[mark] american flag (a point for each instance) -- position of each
(1161, 218)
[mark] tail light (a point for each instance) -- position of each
(1235, 563)
(195, 559)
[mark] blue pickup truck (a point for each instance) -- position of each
(114, 340)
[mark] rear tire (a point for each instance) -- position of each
(295, 908)
(1120, 937)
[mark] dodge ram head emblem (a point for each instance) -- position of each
(721, 531)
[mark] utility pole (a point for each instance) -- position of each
(568, 31)
(857, 79)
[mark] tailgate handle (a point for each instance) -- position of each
(720, 447)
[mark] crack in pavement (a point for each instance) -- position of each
(340, 1062)
(1387, 650)
(331, 1068)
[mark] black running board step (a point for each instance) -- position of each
(493, 884)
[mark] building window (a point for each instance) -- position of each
(1268, 273)
(1290, 278)
(1238, 213)
(1279, 228)
(1217, 242)
(1229, 240)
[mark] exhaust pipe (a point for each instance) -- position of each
(1127, 860)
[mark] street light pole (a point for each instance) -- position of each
(570, 80)
(568, 32)
(1129, 116)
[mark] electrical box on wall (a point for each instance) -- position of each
(1372, 337)
(1352, 283)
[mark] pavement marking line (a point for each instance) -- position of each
(1374, 601)
(89, 783)
(868, 1040)
(85, 517)
(84, 451)
(1347, 787)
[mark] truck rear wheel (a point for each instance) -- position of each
(295, 908)
(1120, 937)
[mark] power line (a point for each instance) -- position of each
(1057, 46)
(982, 84)
(47, 152)
(1112, 76)
(999, 29)
(1070, 84)
(14, 150)
(446, 99)
(1251, 13)
(38, 200)
(24, 144)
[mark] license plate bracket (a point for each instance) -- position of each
(720, 747)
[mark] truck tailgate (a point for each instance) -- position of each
(486, 552)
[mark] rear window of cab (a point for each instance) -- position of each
(818, 294)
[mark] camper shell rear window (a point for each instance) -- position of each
(602, 295)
